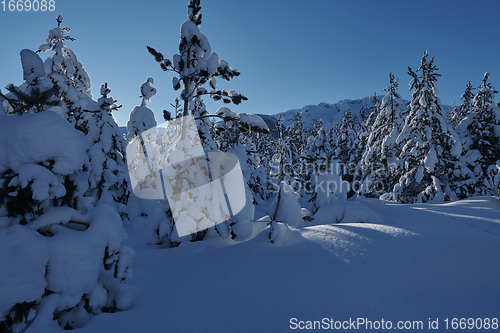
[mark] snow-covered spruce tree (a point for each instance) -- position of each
(297, 136)
(459, 113)
(315, 152)
(368, 116)
(347, 146)
(105, 146)
(379, 160)
(368, 120)
(108, 176)
(453, 117)
(429, 146)
(239, 134)
(285, 210)
(481, 145)
(462, 179)
(322, 167)
(264, 147)
(194, 66)
(258, 178)
(281, 159)
(467, 102)
(45, 201)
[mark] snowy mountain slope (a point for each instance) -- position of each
(327, 112)
(417, 262)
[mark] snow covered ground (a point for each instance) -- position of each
(405, 263)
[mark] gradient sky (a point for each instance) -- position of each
(290, 53)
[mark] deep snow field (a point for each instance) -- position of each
(410, 263)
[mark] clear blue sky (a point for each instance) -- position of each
(290, 53)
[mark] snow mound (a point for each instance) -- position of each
(289, 210)
(347, 212)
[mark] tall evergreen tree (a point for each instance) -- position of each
(428, 146)
(379, 160)
(196, 65)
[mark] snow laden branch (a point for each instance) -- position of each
(35, 99)
(245, 122)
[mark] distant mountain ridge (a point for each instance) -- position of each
(328, 112)
(325, 111)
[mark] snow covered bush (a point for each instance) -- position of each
(55, 245)
(39, 174)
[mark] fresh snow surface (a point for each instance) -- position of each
(404, 262)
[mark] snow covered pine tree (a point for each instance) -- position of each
(429, 146)
(478, 172)
(196, 65)
(380, 154)
(69, 257)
